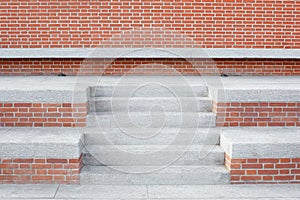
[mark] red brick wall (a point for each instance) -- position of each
(43, 114)
(257, 113)
(263, 170)
(209, 23)
(257, 67)
(40, 170)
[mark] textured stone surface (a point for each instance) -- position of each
(133, 155)
(261, 142)
(253, 89)
(148, 53)
(140, 175)
(40, 142)
(135, 136)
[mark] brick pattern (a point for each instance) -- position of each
(40, 170)
(257, 114)
(43, 114)
(47, 66)
(209, 23)
(263, 170)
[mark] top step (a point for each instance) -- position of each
(149, 90)
(149, 86)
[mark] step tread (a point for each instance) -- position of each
(149, 98)
(150, 148)
(166, 169)
(152, 136)
(151, 175)
(99, 114)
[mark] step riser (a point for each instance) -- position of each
(187, 177)
(160, 138)
(148, 91)
(160, 158)
(158, 121)
(168, 105)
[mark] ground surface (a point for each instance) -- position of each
(143, 192)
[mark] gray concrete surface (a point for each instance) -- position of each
(155, 175)
(151, 119)
(270, 142)
(137, 104)
(160, 136)
(133, 155)
(40, 142)
(148, 53)
(254, 88)
(151, 192)
(68, 89)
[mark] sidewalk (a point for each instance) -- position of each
(141, 192)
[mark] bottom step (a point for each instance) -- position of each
(154, 175)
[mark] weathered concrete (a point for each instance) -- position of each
(151, 192)
(222, 89)
(252, 88)
(148, 53)
(137, 104)
(151, 119)
(261, 142)
(154, 136)
(139, 175)
(133, 155)
(40, 142)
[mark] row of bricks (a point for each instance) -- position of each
(55, 179)
(43, 105)
(256, 124)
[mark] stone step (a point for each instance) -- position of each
(151, 120)
(152, 136)
(136, 104)
(160, 155)
(149, 90)
(155, 175)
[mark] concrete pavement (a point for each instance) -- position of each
(143, 192)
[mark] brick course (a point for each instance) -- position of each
(209, 23)
(250, 67)
(257, 113)
(263, 170)
(43, 114)
(40, 170)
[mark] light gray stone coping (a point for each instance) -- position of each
(41, 142)
(254, 88)
(49, 89)
(148, 53)
(75, 89)
(261, 142)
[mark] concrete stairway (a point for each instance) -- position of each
(152, 132)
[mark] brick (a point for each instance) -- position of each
(281, 178)
(284, 171)
(22, 160)
(285, 160)
(268, 160)
(268, 172)
(22, 171)
(41, 166)
(252, 166)
(237, 172)
(42, 178)
(238, 160)
(295, 171)
(289, 166)
(63, 172)
(55, 160)
(267, 178)
(251, 178)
